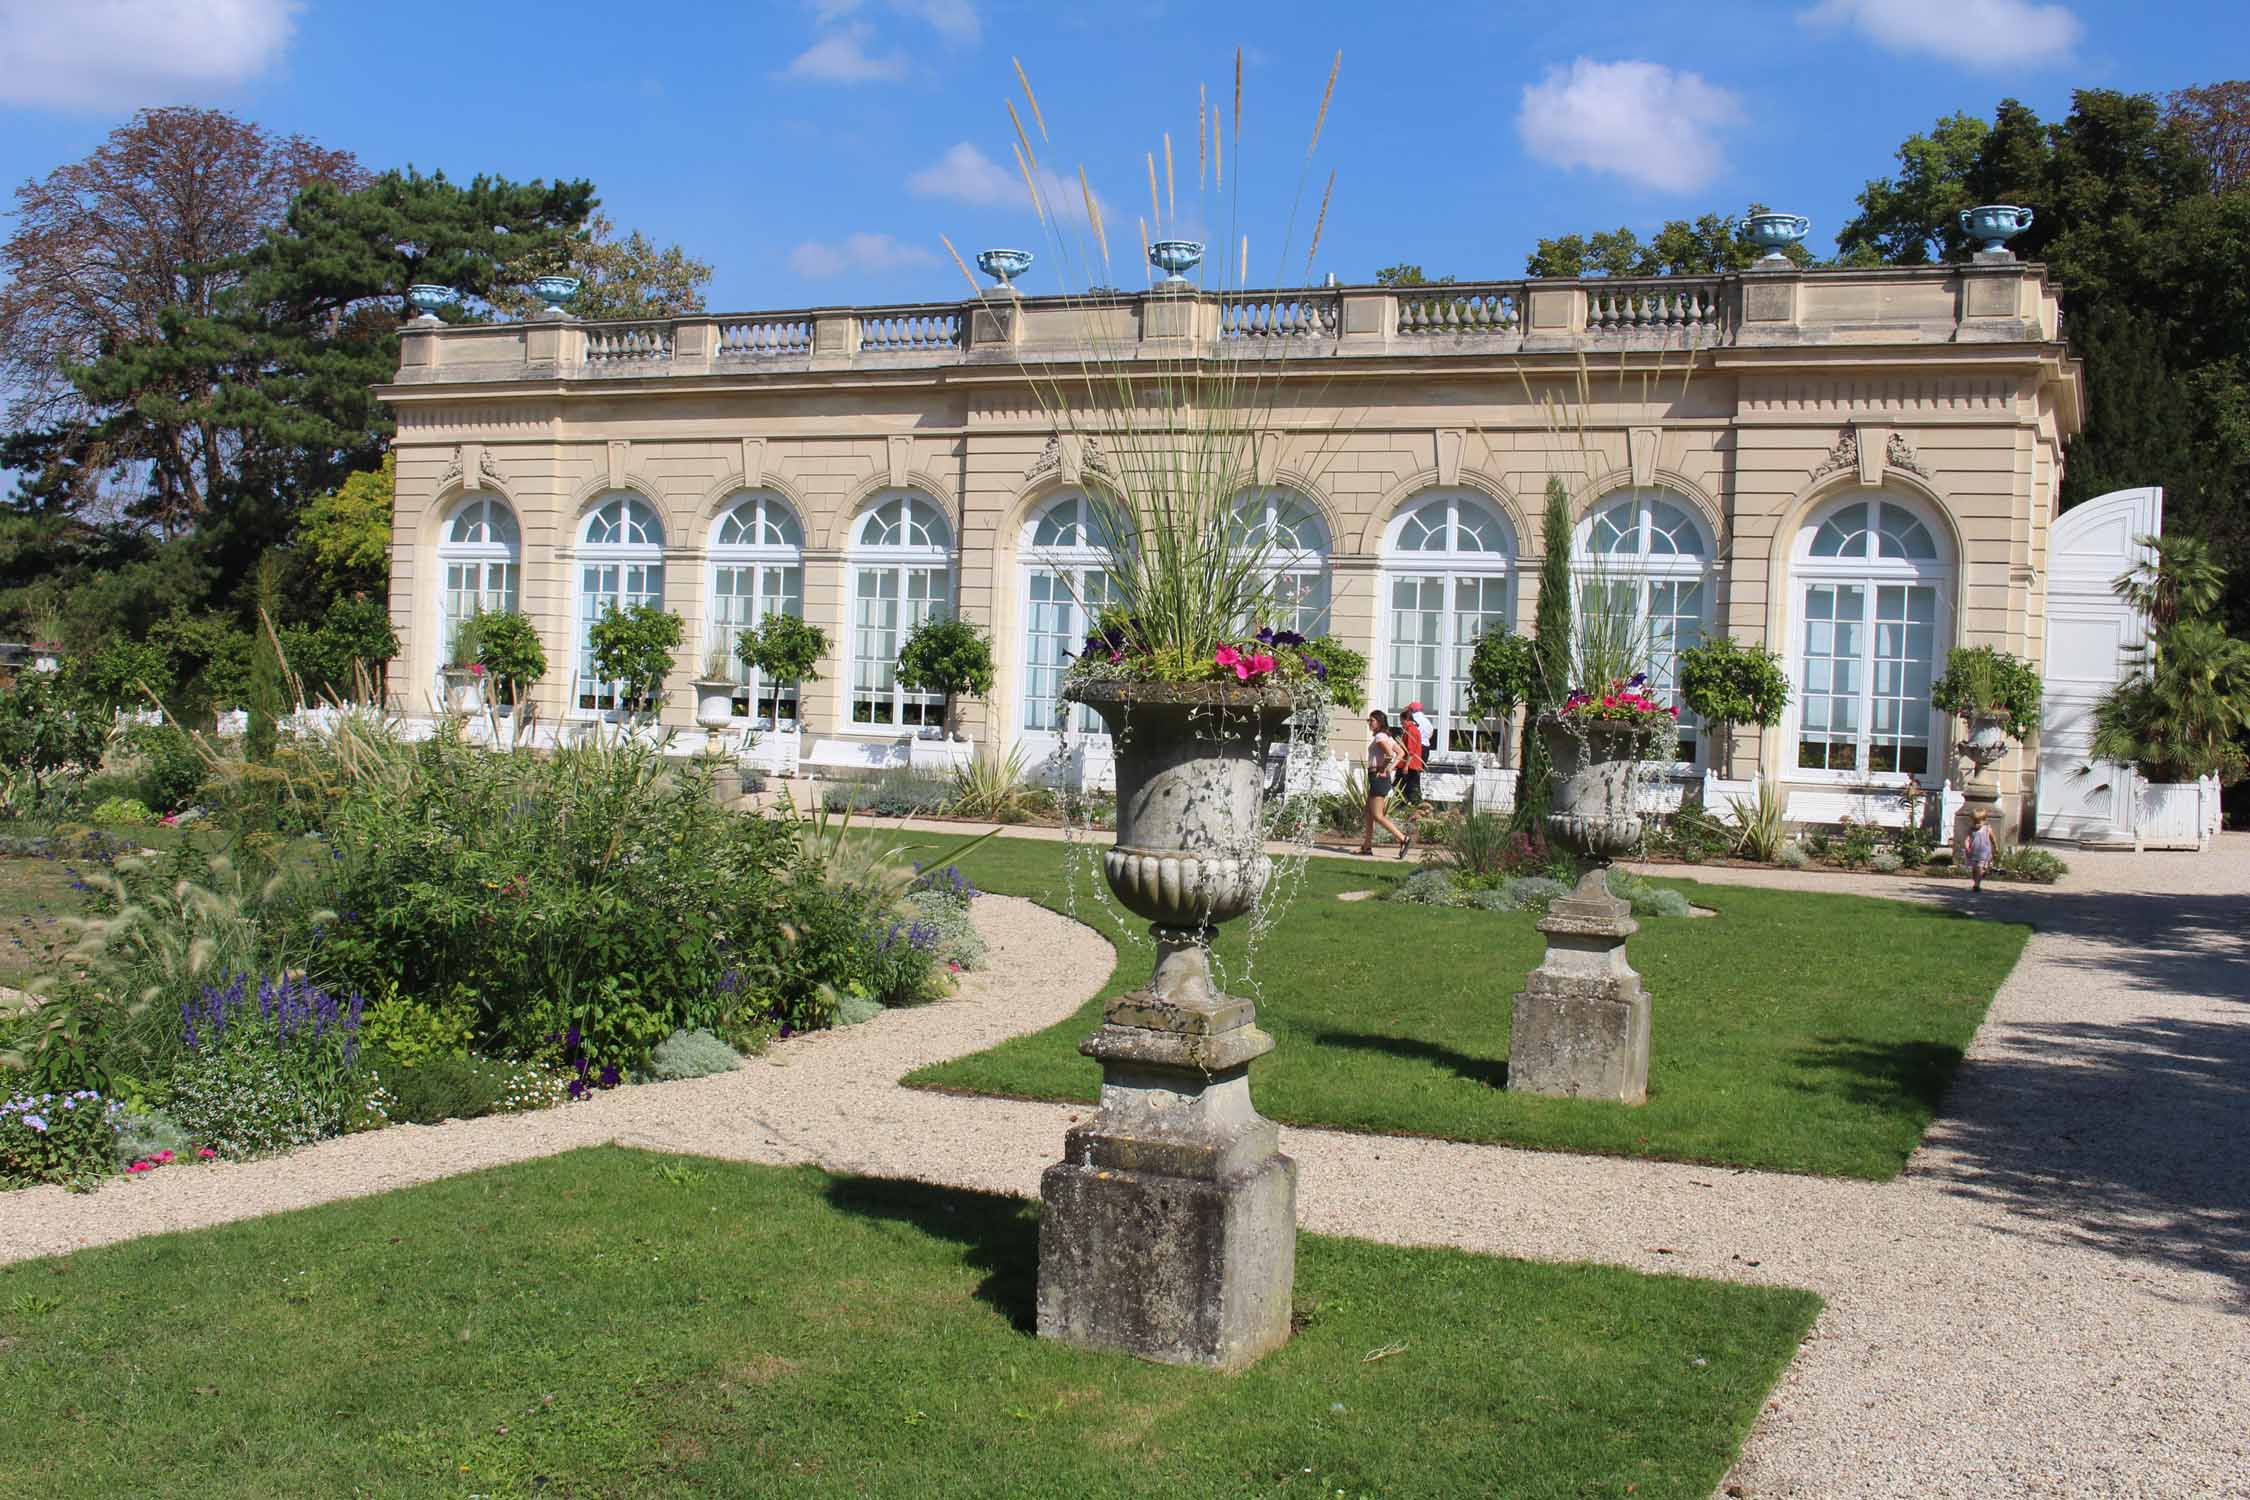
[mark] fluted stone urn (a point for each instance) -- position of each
(1169, 1228)
(1581, 1025)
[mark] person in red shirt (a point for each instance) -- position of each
(1417, 754)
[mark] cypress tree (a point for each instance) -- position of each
(1550, 657)
(268, 691)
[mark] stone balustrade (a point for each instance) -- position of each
(1993, 300)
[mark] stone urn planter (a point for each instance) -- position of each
(464, 690)
(1581, 1026)
(714, 708)
(1169, 1228)
(1986, 744)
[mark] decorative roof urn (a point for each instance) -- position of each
(554, 291)
(1775, 233)
(1004, 266)
(427, 299)
(1995, 224)
(1177, 257)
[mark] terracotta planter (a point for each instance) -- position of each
(1593, 764)
(1191, 785)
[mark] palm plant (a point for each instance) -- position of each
(2183, 714)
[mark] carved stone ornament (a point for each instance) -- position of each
(1845, 455)
(1899, 454)
(1050, 458)
(486, 468)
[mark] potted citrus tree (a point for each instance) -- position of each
(513, 660)
(948, 655)
(464, 672)
(1727, 683)
(1997, 694)
(633, 653)
(786, 653)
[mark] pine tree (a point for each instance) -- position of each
(1550, 651)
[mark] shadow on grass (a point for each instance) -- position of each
(1000, 1233)
(1879, 1075)
(1485, 1070)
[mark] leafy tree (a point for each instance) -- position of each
(618, 278)
(783, 648)
(116, 673)
(46, 726)
(1405, 274)
(2216, 118)
(1503, 675)
(1727, 683)
(1914, 219)
(157, 217)
(1551, 644)
(209, 655)
(347, 531)
(1701, 247)
(946, 654)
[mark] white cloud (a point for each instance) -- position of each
(966, 175)
(1973, 33)
(842, 57)
(858, 252)
(954, 20)
(132, 54)
(1640, 120)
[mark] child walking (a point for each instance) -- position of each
(1978, 848)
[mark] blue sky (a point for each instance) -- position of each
(815, 150)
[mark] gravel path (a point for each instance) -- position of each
(2054, 1300)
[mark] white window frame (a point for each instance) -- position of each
(1643, 569)
(1073, 567)
(1871, 573)
(772, 560)
(496, 556)
(1281, 512)
(635, 567)
(1454, 562)
(871, 560)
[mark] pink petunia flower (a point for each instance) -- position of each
(206, 1153)
(1227, 656)
(1260, 664)
(163, 1156)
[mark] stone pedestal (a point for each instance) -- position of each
(1169, 1229)
(1581, 1026)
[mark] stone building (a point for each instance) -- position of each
(1858, 466)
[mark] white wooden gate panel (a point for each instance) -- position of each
(2089, 633)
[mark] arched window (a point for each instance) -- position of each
(757, 569)
(1065, 586)
(480, 553)
(902, 574)
(1296, 558)
(1448, 558)
(1647, 550)
(620, 564)
(1873, 594)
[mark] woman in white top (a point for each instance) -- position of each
(1383, 755)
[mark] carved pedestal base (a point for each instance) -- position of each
(1581, 1024)
(1169, 1229)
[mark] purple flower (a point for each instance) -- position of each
(1265, 635)
(610, 1076)
(1287, 638)
(36, 1122)
(1316, 668)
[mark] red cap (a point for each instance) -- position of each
(1415, 707)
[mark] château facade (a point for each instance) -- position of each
(1857, 467)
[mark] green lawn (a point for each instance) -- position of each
(1796, 1031)
(613, 1323)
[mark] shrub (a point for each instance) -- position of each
(46, 728)
(1691, 834)
(691, 1054)
(1762, 823)
(946, 914)
(853, 1009)
(410, 1032)
(1646, 899)
(66, 1138)
(267, 1068)
(896, 794)
(990, 788)
(1429, 886)
(1792, 855)
(1522, 893)
(172, 769)
(1855, 847)
(1485, 847)
(121, 810)
(1886, 862)
(2024, 862)
(464, 1088)
(142, 1133)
